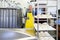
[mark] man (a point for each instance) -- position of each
(29, 24)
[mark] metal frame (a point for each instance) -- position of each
(56, 24)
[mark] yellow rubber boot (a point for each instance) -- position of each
(31, 32)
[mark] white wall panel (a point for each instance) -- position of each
(58, 4)
(52, 10)
(52, 3)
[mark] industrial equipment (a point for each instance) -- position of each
(10, 18)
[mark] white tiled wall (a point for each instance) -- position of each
(51, 3)
(51, 10)
(52, 6)
(58, 4)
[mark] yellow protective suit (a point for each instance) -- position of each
(29, 25)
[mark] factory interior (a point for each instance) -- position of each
(29, 19)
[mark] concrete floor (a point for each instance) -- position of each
(13, 34)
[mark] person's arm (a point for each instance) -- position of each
(26, 15)
(33, 12)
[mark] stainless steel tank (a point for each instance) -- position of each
(10, 18)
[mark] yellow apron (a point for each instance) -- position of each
(29, 25)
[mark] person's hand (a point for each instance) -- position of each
(25, 17)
